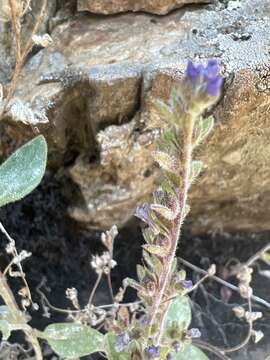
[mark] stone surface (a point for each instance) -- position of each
(7, 41)
(96, 84)
(160, 7)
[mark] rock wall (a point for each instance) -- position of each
(96, 85)
(160, 7)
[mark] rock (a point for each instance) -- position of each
(7, 40)
(96, 84)
(160, 7)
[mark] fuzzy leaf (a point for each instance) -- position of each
(164, 211)
(72, 340)
(156, 250)
(196, 168)
(166, 162)
(165, 112)
(179, 313)
(169, 140)
(110, 349)
(5, 329)
(131, 283)
(203, 128)
(141, 272)
(148, 260)
(189, 352)
(148, 235)
(23, 171)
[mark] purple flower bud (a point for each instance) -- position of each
(121, 342)
(188, 284)
(194, 333)
(144, 320)
(153, 351)
(206, 78)
(177, 346)
(143, 212)
(194, 73)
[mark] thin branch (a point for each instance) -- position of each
(257, 255)
(94, 289)
(15, 255)
(223, 282)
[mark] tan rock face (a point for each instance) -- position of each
(160, 7)
(96, 85)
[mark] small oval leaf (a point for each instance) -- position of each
(22, 171)
(179, 313)
(72, 340)
(189, 352)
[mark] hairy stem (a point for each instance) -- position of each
(176, 231)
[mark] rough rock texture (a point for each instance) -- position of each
(96, 84)
(7, 41)
(160, 7)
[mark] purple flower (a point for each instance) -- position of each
(121, 342)
(177, 346)
(153, 351)
(143, 212)
(208, 77)
(188, 284)
(194, 333)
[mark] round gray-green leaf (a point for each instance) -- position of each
(71, 340)
(179, 313)
(23, 170)
(189, 352)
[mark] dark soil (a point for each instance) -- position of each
(62, 250)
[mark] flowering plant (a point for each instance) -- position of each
(157, 326)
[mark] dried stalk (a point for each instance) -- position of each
(18, 316)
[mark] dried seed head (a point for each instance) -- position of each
(257, 336)
(253, 316)
(245, 291)
(212, 270)
(239, 312)
(103, 263)
(72, 295)
(245, 275)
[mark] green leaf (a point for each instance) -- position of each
(72, 340)
(196, 168)
(166, 161)
(110, 350)
(141, 272)
(7, 322)
(23, 170)
(5, 329)
(164, 211)
(156, 250)
(164, 111)
(179, 313)
(189, 352)
(203, 128)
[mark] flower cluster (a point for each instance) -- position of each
(205, 79)
(103, 263)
